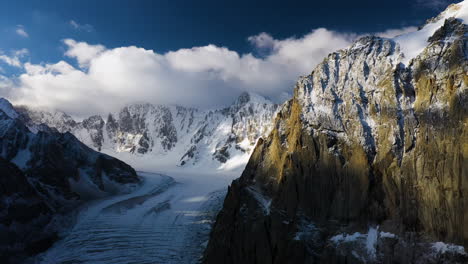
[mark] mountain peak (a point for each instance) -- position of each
(8, 108)
(413, 43)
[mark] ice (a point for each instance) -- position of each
(160, 222)
(371, 241)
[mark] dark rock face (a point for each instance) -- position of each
(23, 216)
(366, 164)
(55, 162)
(44, 175)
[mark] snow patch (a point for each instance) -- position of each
(21, 159)
(371, 241)
(387, 235)
(345, 238)
(85, 187)
(367, 241)
(442, 248)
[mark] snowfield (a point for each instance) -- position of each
(166, 220)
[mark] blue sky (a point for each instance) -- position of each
(34, 32)
(165, 25)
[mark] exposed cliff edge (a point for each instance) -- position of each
(367, 163)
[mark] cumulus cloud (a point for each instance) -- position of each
(21, 31)
(81, 27)
(207, 76)
(82, 52)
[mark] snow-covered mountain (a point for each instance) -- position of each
(45, 173)
(58, 165)
(145, 134)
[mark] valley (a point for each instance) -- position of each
(166, 220)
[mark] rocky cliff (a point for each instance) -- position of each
(170, 135)
(23, 216)
(368, 162)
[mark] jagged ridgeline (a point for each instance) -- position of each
(175, 135)
(368, 162)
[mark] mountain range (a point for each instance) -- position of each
(366, 163)
(171, 135)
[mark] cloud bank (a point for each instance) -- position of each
(209, 76)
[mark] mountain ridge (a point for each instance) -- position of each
(176, 135)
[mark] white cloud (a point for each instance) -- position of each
(82, 51)
(21, 31)
(208, 76)
(262, 41)
(84, 27)
(390, 33)
(12, 61)
(15, 58)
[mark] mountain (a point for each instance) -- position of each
(367, 163)
(144, 134)
(45, 174)
(23, 216)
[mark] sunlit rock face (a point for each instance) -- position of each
(181, 136)
(367, 163)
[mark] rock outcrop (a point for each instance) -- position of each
(367, 163)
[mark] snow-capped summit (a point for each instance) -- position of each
(145, 135)
(413, 43)
(8, 108)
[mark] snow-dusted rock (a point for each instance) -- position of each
(171, 135)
